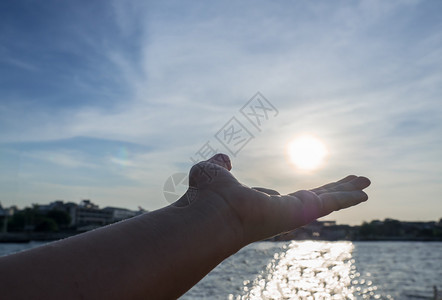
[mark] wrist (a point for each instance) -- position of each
(221, 218)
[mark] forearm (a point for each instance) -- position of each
(199, 237)
(157, 255)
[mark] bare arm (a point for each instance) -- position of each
(162, 254)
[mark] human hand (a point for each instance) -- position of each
(258, 213)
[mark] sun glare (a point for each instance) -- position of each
(307, 152)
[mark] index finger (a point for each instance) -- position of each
(338, 200)
(349, 183)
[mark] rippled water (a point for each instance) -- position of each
(326, 270)
(319, 270)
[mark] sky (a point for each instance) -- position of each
(106, 100)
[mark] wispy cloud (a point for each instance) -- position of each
(70, 159)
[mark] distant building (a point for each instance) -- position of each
(57, 204)
(119, 214)
(83, 216)
(87, 215)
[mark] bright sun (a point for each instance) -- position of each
(307, 152)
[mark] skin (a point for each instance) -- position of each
(162, 254)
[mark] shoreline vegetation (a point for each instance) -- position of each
(376, 230)
(387, 230)
(58, 220)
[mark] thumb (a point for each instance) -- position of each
(204, 172)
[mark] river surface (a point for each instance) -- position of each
(319, 270)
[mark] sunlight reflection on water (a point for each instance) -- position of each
(310, 270)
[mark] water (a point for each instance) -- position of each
(9, 248)
(319, 270)
(326, 270)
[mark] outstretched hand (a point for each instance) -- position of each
(138, 258)
(259, 213)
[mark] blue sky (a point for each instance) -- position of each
(104, 100)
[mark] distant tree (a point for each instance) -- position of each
(392, 227)
(23, 219)
(426, 232)
(61, 218)
(437, 232)
(17, 221)
(367, 230)
(46, 225)
(31, 218)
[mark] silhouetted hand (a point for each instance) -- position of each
(259, 213)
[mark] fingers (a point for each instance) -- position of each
(310, 205)
(349, 183)
(343, 180)
(267, 191)
(334, 184)
(357, 183)
(334, 201)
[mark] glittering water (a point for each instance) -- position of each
(326, 270)
(307, 269)
(319, 270)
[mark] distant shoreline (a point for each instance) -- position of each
(22, 237)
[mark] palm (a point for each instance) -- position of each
(264, 212)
